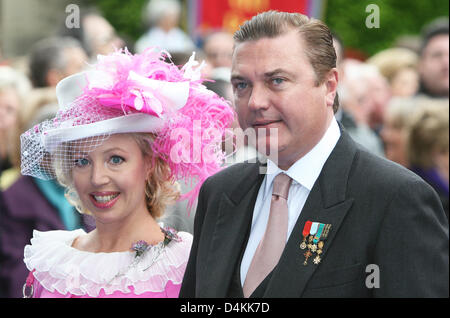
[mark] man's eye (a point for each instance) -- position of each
(240, 86)
(81, 162)
(116, 160)
(277, 81)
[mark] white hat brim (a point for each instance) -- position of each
(132, 123)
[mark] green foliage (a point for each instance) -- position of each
(397, 18)
(125, 16)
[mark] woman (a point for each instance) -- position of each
(428, 145)
(14, 86)
(115, 146)
(395, 129)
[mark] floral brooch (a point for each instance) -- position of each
(141, 246)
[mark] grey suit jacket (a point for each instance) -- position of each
(383, 217)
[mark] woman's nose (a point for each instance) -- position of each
(99, 175)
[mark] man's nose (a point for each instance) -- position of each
(259, 99)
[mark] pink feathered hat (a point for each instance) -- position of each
(125, 93)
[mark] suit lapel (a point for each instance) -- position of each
(233, 222)
(326, 203)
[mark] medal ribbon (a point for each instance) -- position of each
(314, 227)
(319, 233)
(307, 228)
(326, 231)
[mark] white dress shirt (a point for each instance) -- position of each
(304, 173)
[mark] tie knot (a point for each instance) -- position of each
(281, 185)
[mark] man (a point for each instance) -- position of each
(347, 211)
(55, 58)
(433, 61)
(218, 48)
(96, 34)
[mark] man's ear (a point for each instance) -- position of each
(53, 77)
(331, 83)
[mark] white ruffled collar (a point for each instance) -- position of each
(58, 266)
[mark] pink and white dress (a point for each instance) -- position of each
(61, 271)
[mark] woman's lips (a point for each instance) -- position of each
(104, 200)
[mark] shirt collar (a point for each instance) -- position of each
(306, 170)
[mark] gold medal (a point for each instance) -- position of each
(321, 243)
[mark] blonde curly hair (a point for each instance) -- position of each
(428, 132)
(161, 188)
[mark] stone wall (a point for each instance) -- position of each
(23, 22)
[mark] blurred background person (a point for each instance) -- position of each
(50, 60)
(354, 96)
(395, 130)
(428, 146)
(54, 58)
(96, 34)
(399, 67)
(218, 49)
(14, 87)
(3, 285)
(434, 59)
(379, 94)
(162, 18)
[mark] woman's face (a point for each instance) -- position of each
(395, 142)
(110, 180)
(405, 83)
(9, 108)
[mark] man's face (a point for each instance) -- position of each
(274, 86)
(433, 66)
(76, 60)
(101, 35)
(219, 49)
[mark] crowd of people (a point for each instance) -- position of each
(395, 105)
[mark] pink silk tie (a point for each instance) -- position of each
(271, 247)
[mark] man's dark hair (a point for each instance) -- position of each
(48, 54)
(434, 28)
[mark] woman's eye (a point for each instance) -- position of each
(81, 162)
(116, 160)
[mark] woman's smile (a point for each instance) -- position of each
(104, 200)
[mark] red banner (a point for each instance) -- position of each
(229, 14)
